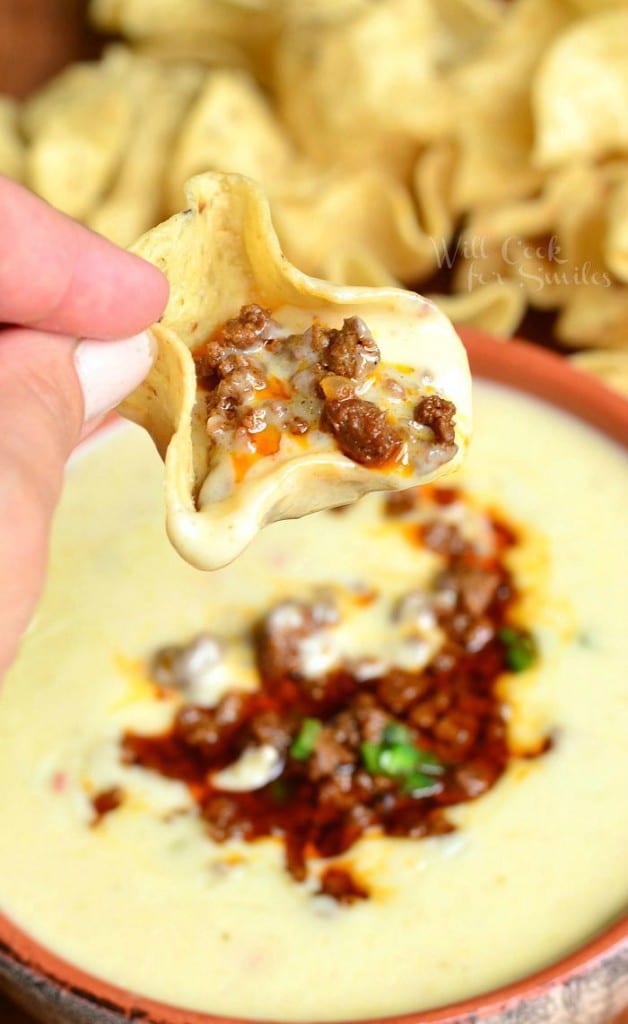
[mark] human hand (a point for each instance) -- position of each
(59, 282)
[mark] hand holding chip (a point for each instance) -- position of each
(58, 283)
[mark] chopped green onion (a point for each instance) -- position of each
(401, 759)
(397, 756)
(305, 741)
(395, 733)
(521, 649)
(371, 754)
(418, 784)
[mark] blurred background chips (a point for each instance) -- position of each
(473, 149)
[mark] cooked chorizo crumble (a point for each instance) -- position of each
(262, 388)
(331, 746)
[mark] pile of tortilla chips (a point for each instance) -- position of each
(394, 138)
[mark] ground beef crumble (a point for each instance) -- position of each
(339, 883)
(249, 329)
(105, 802)
(388, 753)
(438, 414)
(363, 431)
(351, 351)
(253, 376)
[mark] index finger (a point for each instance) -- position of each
(58, 276)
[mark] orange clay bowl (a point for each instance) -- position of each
(588, 987)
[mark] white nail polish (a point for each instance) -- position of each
(109, 370)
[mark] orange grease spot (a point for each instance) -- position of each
(275, 388)
(267, 442)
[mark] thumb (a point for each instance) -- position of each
(50, 389)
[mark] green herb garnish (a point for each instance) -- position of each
(521, 649)
(305, 741)
(395, 733)
(371, 753)
(420, 784)
(398, 757)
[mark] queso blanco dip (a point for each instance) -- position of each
(146, 899)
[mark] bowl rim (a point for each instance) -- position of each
(523, 367)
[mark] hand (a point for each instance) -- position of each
(59, 282)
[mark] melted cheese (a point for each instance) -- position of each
(294, 481)
(536, 867)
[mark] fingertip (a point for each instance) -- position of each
(90, 286)
(155, 290)
(109, 370)
(132, 295)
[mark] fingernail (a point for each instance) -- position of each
(109, 370)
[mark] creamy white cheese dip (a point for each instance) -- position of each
(147, 902)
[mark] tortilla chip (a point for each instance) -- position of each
(193, 50)
(608, 365)
(366, 88)
(232, 32)
(580, 94)
(494, 124)
(220, 254)
(11, 144)
(479, 263)
(552, 244)
(595, 317)
(616, 243)
(78, 127)
(136, 201)
(330, 223)
(230, 128)
(350, 227)
(464, 27)
(594, 6)
(359, 268)
(322, 11)
(432, 181)
(497, 308)
(143, 19)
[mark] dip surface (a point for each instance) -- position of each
(148, 902)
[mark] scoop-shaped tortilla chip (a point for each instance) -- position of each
(77, 126)
(609, 365)
(161, 95)
(219, 255)
(366, 87)
(328, 223)
(616, 244)
(227, 31)
(593, 6)
(232, 128)
(549, 245)
(142, 19)
(494, 124)
(580, 94)
(353, 226)
(595, 317)
(497, 307)
(432, 181)
(321, 11)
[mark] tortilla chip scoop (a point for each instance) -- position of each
(274, 394)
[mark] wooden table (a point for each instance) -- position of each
(9, 1014)
(37, 38)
